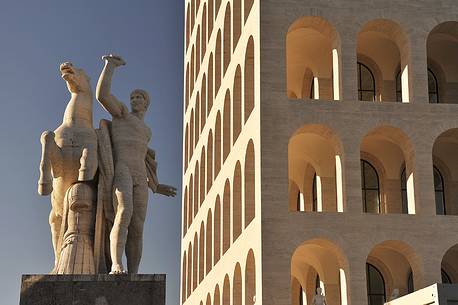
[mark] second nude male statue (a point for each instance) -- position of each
(130, 137)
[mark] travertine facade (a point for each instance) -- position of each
(333, 125)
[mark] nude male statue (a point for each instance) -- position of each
(319, 298)
(130, 137)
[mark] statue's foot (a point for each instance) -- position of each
(117, 269)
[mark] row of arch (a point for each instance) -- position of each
(390, 265)
(383, 49)
(238, 20)
(387, 171)
(240, 288)
(223, 52)
(243, 186)
(236, 109)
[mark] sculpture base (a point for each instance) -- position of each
(102, 289)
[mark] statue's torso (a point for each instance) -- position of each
(130, 137)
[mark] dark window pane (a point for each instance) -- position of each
(367, 96)
(377, 300)
(375, 286)
(366, 84)
(433, 98)
(372, 201)
(440, 203)
(431, 82)
(367, 80)
(405, 209)
(371, 179)
(433, 87)
(438, 182)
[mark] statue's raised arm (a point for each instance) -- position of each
(103, 92)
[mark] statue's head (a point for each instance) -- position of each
(319, 291)
(76, 79)
(139, 100)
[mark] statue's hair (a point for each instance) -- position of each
(143, 93)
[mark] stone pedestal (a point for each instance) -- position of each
(138, 289)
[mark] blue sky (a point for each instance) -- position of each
(35, 37)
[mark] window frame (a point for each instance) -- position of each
(364, 188)
(360, 89)
(368, 286)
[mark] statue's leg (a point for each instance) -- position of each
(55, 222)
(88, 163)
(134, 244)
(51, 159)
(123, 215)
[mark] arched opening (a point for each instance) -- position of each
(227, 38)
(250, 279)
(226, 216)
(249, 79)
(202, 177)
(312, 48)
(226, 291)
(208, 243)
(218, 58)
(217, 144)
(390, 265)
(249, 184)
(201, 252)
(217, 235)
(442, 47)
(191, 206)
(204, 31)
(185, 211)
(198, 50)
(445, 171)
(227, 126)
(186, 147)
(209, 161)
(449, 266)
(210, 84)
(383, 52)
(183, 279)
(203, 102)
(188, 26)
(210, 18)
(209, 300)
(217, 6)
(314, 170)
(189, 272)
(237, 203)
(318, 263)
(193, 71)
(237, 286)
(387, 178)
(195, 263)
(191, 134)
(196, 189)
(237, 22)
(186, 89)
(237, 104)
(216, 295)
(247, 8)
(197, 126)
(193, 13)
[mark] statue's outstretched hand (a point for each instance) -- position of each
(114, 59)
(166, 190)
